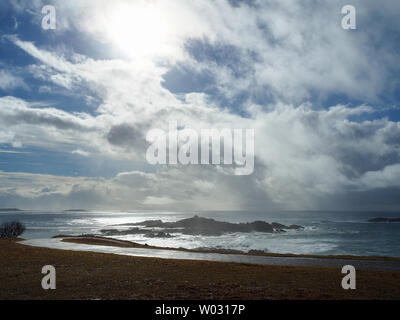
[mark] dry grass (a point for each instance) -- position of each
(86, 275)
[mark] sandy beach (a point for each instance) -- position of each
(89, 275)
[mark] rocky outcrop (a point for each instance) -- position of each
(197, 226)
(158, 235)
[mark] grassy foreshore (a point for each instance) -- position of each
(87, 275)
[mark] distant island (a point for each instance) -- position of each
(384, 220)
(75, 210)
(9, 209)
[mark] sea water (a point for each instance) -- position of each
(324, 233)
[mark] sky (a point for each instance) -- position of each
(76, 103)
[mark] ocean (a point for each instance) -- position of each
(325, 233)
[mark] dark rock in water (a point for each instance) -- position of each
(211, 227)
(384, 220)
(277, 225)
(218, 250)
(150, 223)
(197, 226)
(259, 226)
(159, 235)
(295, 227)
(116, 232)
(256, 251)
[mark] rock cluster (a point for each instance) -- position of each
(197, 226)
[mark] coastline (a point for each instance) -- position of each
(107, 241)
(90, 275)
(132, 249)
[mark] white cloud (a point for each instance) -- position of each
(287, 53)
(389, 176)
(13, 151)
(295, 50)
(81, 152)
(157, 201)
(9, 81)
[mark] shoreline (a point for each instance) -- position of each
(108, 241)
(90, 275)
(126, 248)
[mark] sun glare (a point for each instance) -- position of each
(138, 30)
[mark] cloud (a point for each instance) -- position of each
(17, 111)
(13, 151)
(269, 66)
(157, 201)
(322, 152)
(125, 191)
(304, 158)
(36, 124)
(81, 152)
(127, 136)
(9, 81)
(290, 51)
(388, 177)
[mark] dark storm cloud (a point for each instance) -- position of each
(127, 135)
